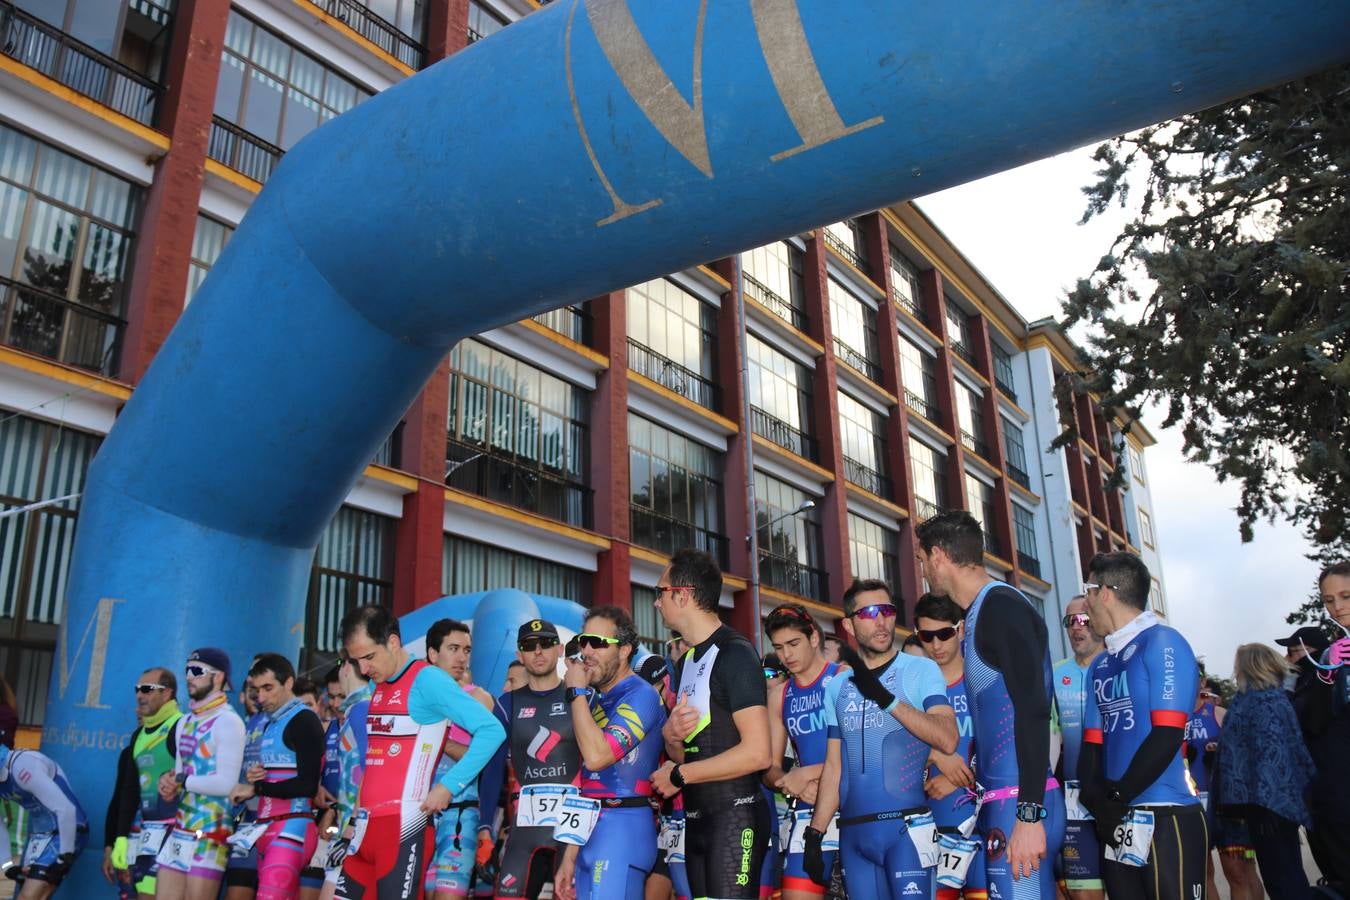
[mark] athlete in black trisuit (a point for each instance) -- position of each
(717, 737)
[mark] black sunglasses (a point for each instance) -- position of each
(532, 644)
(941, 634)
(595, 641)
(149, 688)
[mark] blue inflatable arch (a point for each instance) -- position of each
(595, 144)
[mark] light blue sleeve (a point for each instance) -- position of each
(436, 697)
(831, 697)
(924, 685)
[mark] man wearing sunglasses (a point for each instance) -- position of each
(617, 717)
(210, 756)
(1007, 670)
(1080, 861)
(939, 625)
(884, 715)
(542, 748)
(717, 736)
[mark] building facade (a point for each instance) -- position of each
(793, 410)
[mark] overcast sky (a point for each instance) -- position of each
(1020, 229)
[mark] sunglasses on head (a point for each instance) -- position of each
(940, 634)
(1077, 619)
(149, 688)
(532, 644)
(595, 641)
(874, 611)
(196, 670)
(771, 674)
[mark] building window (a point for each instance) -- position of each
(572, 322)
(1155, 598)
(980, 498)
(846, 239)
(353, 566)
(1145, 528)
(1017, 454)
(918, 375)
(860, 431)
(65, 243)
(208, 241)
(483, 22)
(517, 435)
(468, 567)
(905, 289)
(270, 95)
(672, 340)
(789, 541)
(929, 468)
(1024, 529)
(970, 418)
(855, 331)
(958, 330)
(40, 462)
(1003, 371)
(873, 551)
(676, 489)
(780, 398)
(1136, 463)
(773, 278)
(397, 26)
(651, 628)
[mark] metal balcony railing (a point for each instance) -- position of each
(791, 576)
(908, 305)
(756, 290)
(474, 36)
(963, 351)
(850, 253)
(246, 153)
(517, 482)
(921, 406)
(1002, 383)
(666, 534)
(378, 31)
(867, 478)
(52, 326)
(1019, 476)
(974, 444)
(34, 43)
(859, 361)
(924, 509)
(1029, 564)
(571, 322)
(784, 435)
(991, 544)
(671, 375)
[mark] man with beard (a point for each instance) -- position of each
(617, 718)
(884, 716)
(1080, 860)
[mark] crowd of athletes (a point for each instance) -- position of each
(958, 763)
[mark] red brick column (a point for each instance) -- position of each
(159, 270)
(421, 532)
(993, 437)
(930, 283)
(447, 28)
(609, 452)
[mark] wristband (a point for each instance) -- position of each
(677, 777)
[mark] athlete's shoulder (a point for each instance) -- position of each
(1066, 666)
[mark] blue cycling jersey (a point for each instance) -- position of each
(331, 779)
(882, 764)
(631, 716)
(804, 716)
(956, 807)
(1201, 729)
(1152, 680)
(1071, 699)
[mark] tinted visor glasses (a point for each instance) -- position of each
(941, 634)
(874, 611)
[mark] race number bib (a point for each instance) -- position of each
(36, 846)
(178, 851)
(1133, 838)
(671, 839)
(577, 819)
(243, 839)
(1074, 810)
(802, 819)
(359, 825)
(955, 854)
(923, 834)
(152, 838)
(541, 804)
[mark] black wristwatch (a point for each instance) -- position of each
(677, 778)
(1029, 812)
(573, 693)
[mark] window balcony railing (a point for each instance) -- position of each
(571, 322)
(991, 544)
(474, 36)
(1019, 476)
(517, 482)
(673, 376)
(1029, 564)
(963, 351)
(974, 444)
(666, 534)
(378, 31)
(246, 153)
(908, 305)
(924, 509)
(1005, 385)
(848, 252)
(791, 576)
(784, 435)
(54, 327)
(32, 42)
(756, 290)
(867, 478)
(859, 361)
(922, 406)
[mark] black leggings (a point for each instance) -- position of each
(1278, 854)
(724, 849)
(1176, 860)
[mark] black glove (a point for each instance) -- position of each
(62, 866)
(1109, 809)
(12, 870)
(868, 684)
(813, 857)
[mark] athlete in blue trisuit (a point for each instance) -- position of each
(1132, 770)
(617, 718)
(940, 625)
(797, 716)
(57, 827)
(883, 717)
(1080, 859)
(1007, 660)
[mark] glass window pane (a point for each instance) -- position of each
(262, 113)
(302, 117)
(104, 263)
(13, 202)
(230, 87)
(63, 177)
(51, 248)
(16, 155)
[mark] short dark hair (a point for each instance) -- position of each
(700, 571)
(376, 621)
(957, 532)
(436, 634)
(1126, 574)
(164, 677)
(939, 607)
(790, 615)
(513, 664)
(305, 686)
(825, 639)
(624, 629)
(334, 675)
(911, 640)
(1336, 568)
(275, 663)
(860, 585)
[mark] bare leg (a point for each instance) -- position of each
(1244, 881)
